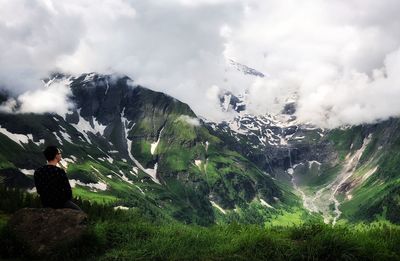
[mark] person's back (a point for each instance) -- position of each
(53, 186)
(52, 183)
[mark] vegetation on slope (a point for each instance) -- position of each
(375, 197)
(135, 235)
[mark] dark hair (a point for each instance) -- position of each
(50, 152)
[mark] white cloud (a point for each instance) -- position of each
(326, 52)
(52, 98)
(339, 57)
(189, 120)
(8, 106)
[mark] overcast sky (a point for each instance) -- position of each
(340, 58)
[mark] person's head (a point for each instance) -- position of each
(52, 153)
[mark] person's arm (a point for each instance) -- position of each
(38, 181)
(65, 186)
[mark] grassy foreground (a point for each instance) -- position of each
(127, 235)
(134, 235)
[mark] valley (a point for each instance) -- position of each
(138, 148)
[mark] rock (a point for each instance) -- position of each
(44, 229)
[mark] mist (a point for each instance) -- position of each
(339, 59)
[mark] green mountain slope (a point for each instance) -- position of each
(130, 146)
(362, 181)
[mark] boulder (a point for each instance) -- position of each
(42, 230)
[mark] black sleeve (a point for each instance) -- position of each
(38, 181)
(65, 186)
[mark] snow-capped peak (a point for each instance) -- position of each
(245, 69)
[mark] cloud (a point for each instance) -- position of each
(50, 98)
(357, 98)
(338, 57)
(171, 46)
(33, 37)
(189, 120)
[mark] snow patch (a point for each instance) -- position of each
(312, 162)
(20, 139)
(218, 207)
(95, 169)
(89, 77)
(121, 208)
(155, 144)
(99, 185)
(369, 173)
(236, 127)
(108, 87)
(264, 203)
(84, 127)
(296, 165)
(124, 177)
(28, 172)
(227, 101)
(58, 138)
(38, 143)
(140, 189)
(283, 141)
(66, 137)
(198, 163)
(31, 190)
(151, 172)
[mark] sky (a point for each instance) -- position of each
(340, 58)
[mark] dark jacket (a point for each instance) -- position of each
(53, 186)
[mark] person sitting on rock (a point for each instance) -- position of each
(52, 183)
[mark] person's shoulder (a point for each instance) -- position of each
(60, 170)
(47, 168)
(41, 170)
(53, 168)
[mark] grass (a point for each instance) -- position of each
(314, 241)
(131, 237)
(83, 172)
(3, 220)
(344, 139)
(5, 164)
(134, 235)
(142, 151)
(98, 197)
(294, 217)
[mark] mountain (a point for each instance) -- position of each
(229, 102)
(245, 69)
(348, 173)
(133, 147)
(130, 146)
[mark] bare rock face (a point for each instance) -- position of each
(44, 229)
